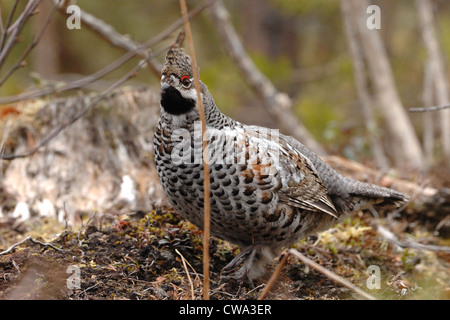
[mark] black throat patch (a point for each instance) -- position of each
(174, 103)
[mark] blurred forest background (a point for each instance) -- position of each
(78, 106)
(301, 46)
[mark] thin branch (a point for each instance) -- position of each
(274, 276)
(330, 274)
(15, 29)
(113, 66)
(177, 24)
(89, 288)
(30, 10)
(319, 268)
(206, 182)
(14, 246)
(8, 23)
(20, 62)
(392, 238)
(427, 109)
(71, 85)
(44, 244)
(107, 32)
(183, 260)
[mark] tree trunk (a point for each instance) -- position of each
(438, 74)
(405, 144)
(428, 117)
(362, 86)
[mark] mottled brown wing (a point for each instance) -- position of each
(303, 187)
(296, 181)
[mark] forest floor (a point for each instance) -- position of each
(157, 255)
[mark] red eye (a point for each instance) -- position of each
(186, 81)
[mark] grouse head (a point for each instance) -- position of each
(178, 94)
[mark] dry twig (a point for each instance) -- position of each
(29, 238)
(12, 31)
(21, 61)
(426, 109)
(274, 276)
(8, 24)
(206, 202)
(392, 238)
(183, 261)
(319, 268)
(138, 49)
(107, 32)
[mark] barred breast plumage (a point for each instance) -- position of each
(267, 189)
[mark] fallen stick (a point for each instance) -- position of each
(187, 273)
(45, 244)
(392, 238)
(274, 276)
(319, 268)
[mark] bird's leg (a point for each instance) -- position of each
(240, 266)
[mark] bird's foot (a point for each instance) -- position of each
(240, 267)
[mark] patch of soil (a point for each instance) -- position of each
(159, 256)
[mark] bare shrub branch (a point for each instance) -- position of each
(21, 61)
(139, 49)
